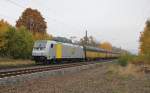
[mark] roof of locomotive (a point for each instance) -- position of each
(90, 48)
(68, 44)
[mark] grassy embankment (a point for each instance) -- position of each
(14, 63)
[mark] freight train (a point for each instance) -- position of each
(48, 51)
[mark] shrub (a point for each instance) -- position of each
(124, 59)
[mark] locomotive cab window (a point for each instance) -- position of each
(52, 45)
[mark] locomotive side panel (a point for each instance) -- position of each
(72, 51)
(51, 50)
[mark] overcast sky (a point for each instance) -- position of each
(116, 21)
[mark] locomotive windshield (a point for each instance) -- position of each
(40, 45)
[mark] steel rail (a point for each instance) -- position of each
(40, 69)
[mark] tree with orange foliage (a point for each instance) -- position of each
(32, 20)
(106, 45)
(145, 42)
(35, 23)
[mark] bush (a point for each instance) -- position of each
(124, 59)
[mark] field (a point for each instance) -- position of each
(108, 78)
(12, 63)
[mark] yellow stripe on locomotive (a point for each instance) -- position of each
(58, 50)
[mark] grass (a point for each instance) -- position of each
(129, 70)
(10, 63)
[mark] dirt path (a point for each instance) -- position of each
(99, 80)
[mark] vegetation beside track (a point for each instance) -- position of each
(15, 63)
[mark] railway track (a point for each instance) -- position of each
(16, 72)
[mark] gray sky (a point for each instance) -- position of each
(116, 21)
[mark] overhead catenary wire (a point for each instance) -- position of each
(53, 19)
(48, 17)
(14, 3)
(2, 15)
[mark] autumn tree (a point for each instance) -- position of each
(32, 20)
(40, 36)
(3, 28)
(4, 25)
(106, 45)
(145, 42)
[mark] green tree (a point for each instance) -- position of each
(19, 43)
(9, 39)
(25, 43)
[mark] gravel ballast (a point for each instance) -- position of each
(99, 79)
(26, 77)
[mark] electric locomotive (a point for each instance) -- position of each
(48, 51)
